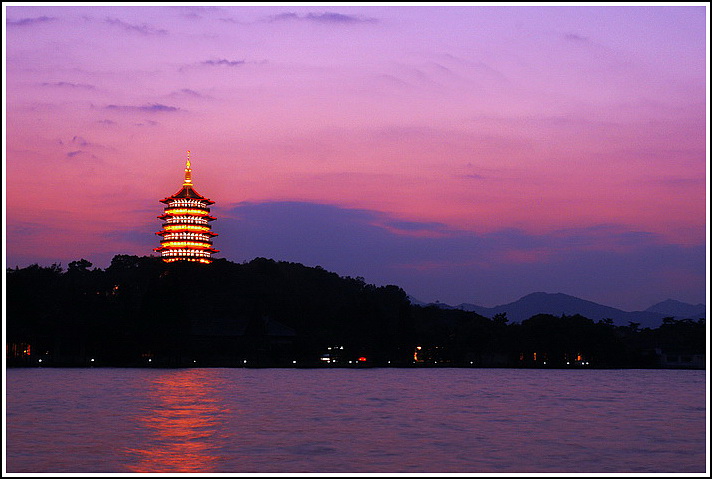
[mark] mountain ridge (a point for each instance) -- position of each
(672, 307)
(563, 304)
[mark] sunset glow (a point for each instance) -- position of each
(467, 153)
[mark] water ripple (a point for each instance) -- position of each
(354, 421)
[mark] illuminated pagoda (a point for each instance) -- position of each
(186, 234)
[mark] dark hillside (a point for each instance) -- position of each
(141, 311)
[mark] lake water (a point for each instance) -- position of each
(355, 421)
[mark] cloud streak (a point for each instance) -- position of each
(64, 84)
(188, 93)
(78, 140)
(151, 108)
(143, 29)
(229, 63)
(574, 37)
(326, 17)
(24, 22)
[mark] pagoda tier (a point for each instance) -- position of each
(186, 234)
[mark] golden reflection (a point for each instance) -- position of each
(180, 429)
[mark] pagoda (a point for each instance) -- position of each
(186, 234)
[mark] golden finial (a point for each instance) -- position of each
(188, 181)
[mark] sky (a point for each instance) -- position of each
(466, 153)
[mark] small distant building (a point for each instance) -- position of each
(681, 359)
(186, 234)
(18, 353)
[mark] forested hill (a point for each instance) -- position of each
(143, 305)
(141, 311)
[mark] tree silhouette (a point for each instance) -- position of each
(141, 308)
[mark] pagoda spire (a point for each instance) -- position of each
(187, 181)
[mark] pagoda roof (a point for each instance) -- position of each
(209, 249)
(209, 233)
(187, 191)
(168, 215)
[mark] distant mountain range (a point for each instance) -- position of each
(559, 304)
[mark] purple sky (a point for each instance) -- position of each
(465, 153)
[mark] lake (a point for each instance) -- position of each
(380, 420)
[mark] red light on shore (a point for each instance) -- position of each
(362, 359)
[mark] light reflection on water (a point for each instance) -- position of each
(181, 423)
(355, 421)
